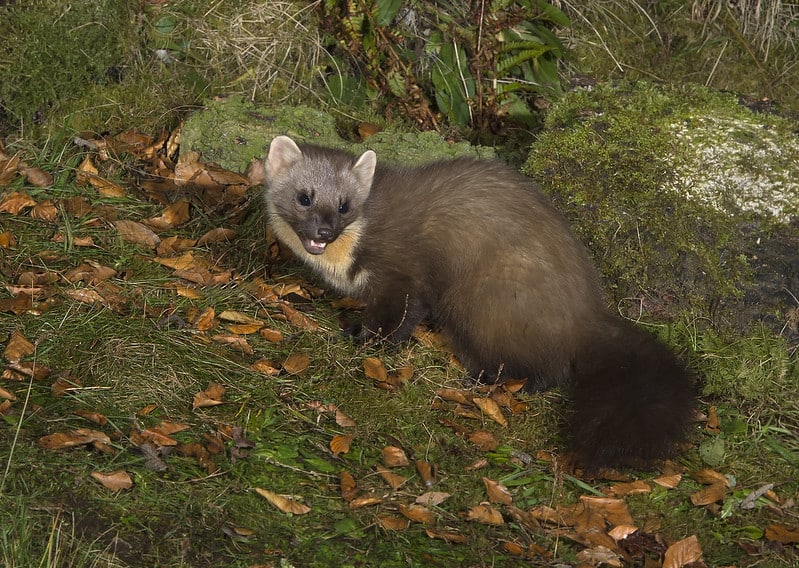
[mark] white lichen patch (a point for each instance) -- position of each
(738, 164)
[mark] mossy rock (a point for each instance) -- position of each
(233, 131)
(687, 199)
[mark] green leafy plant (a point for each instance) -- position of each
(473, 64)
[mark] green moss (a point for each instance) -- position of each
(233, 131)
(660, 216)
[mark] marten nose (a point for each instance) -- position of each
(325, 234)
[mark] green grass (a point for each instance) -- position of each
(53, 513)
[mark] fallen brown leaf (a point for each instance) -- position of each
(266, 367)
(211, 396)
(205, 320)
(630, 488)
(432, 498)
(173, 216)
(782, 533)
(367, 129)
(365, 501)
(88, 174)
(298, 319)
(44, 211)
(490, 408)
(245, 328)
(256, 172)
(394, 481)
(349, 488)
(157, 438)
(7, 240)
(86, 296)
(614, 511)
(340, 444)
(8, 169)
(710, 477)
(427, 472)
(392, 523)
(296, 363)
(343, 420)
(401, 375)
(147, 410)
(36, 176)
(174, 245)
(168, 428)
(63, 385)
(89, 272)
(188, 292)
(238, 317)
(235, 342)
(31, 369)
(497, 493)
(393, 456)
(417, 513)
(79, 437)
(199, 453)
(682, 552)
(484, 440)
(91, 416)
(375, 370)
(514, 548)
(216, 236)
(7, 394)
(115, 480)
(669, 481)
(271, 335)
(713, 424)
(137, 233)
(16, 202)
(525, 518)
(599, 556)
(186, 261)
(283, 502)
(485, 514)
(620, 532)
(455, 395)
(17, 348)
(448, 536)
(710, 494)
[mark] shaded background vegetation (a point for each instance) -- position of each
(91, 66)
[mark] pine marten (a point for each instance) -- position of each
(476, 249)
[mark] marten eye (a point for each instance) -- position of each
(304, 199)
(343, 208)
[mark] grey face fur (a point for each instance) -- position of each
(318, 196)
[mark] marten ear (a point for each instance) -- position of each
(283, 153)
(364, 169)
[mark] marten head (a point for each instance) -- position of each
(318, 192)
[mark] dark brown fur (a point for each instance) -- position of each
(477, 249)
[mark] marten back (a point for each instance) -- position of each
(497, 260)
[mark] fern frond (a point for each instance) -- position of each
(528, 55)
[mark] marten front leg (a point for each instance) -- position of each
(392, 313)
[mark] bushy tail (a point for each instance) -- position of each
(632, 400)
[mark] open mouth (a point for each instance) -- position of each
(314, 247)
